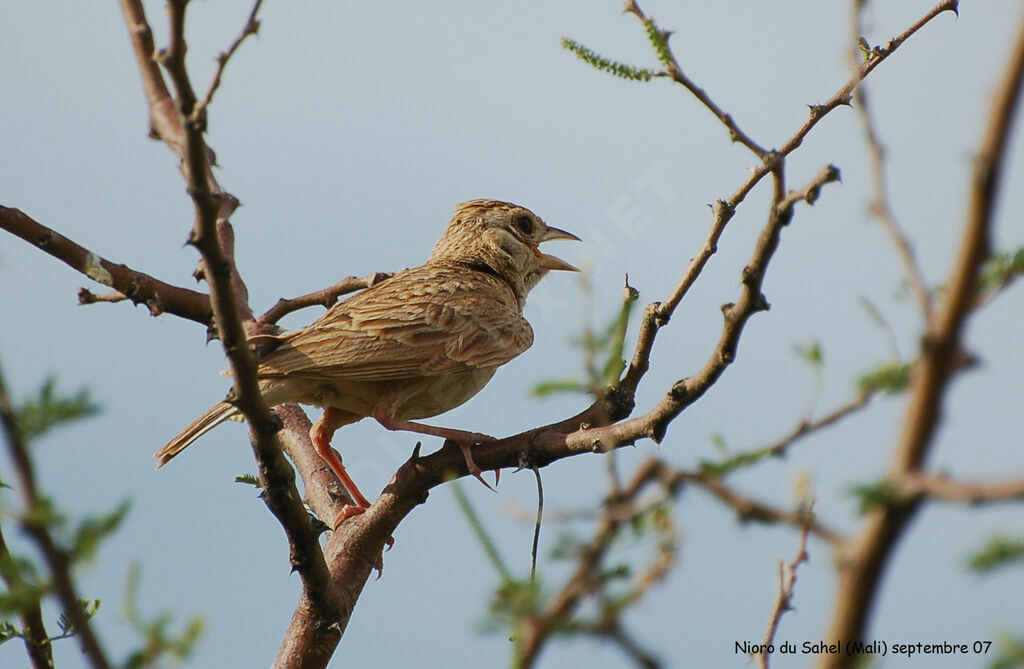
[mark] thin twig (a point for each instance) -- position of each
(675, 72)
(784, 599)
(34, 524)
(536, 527)
(326, 297)
(880, 206)
(807, 428)
(251, 27)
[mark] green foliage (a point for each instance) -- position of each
(734, 462)
(996, 553)
(811, 353)
(250, 479)
(490, 548)
(157, 640)
(1011, 653)
(554, 387)
(47, 410)
(1000, 270)
(67, 628)
(875, 495)
(659, 40)
(603, 352)
(91, 532)
(890, 378)
(606, 65)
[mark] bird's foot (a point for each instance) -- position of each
(474, 470)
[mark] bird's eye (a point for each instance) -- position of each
(524, 224)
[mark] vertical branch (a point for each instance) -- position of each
(880, 206)
(863, 561)
(37, 641)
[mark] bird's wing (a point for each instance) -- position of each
(408, 326)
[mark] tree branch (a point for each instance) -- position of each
(784, 599)
(213, 237)
(326, 297)
(37, 641)
(33, 522)
(140, 288)
(861, 566)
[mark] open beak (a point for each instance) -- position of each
(551, 262)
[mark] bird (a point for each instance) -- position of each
(413, 346)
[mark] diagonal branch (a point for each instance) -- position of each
(140, 288)
(657, 315)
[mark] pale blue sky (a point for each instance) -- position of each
(349, 130)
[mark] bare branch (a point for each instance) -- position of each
(140, 288)
(34, 524)
(807, 428)
(326, 297)
(251, 27)
(675, 72)
(784, 599)
(941, 487)
(880, 207)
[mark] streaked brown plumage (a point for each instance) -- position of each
(414, 346)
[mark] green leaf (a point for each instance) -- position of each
(996, 553)
(659, 40)
(733, 463)
(811, 353)
(92, 531)
(1011, 653)
(606, 65)
(874, 495)
(490, 548)
(890, 378)
(48, 410)
(89, 608)
(250, 479)
(547, 388)
(1000, 270)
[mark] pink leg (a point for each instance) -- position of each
(463, 439)
(321, 434)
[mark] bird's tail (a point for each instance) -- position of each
(213, 417)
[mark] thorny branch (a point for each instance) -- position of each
(179, 123)
(323, 612)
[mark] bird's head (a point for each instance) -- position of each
(504, 239)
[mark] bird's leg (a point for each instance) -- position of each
(463, 439)
(321, 434)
